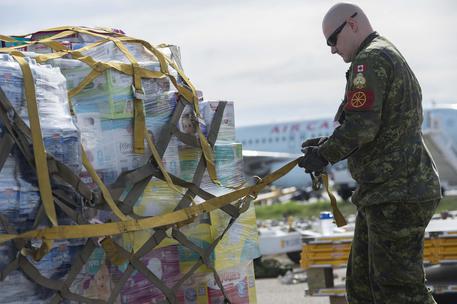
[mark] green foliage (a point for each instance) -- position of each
(300, 210)
(308, 210)
(448, 203)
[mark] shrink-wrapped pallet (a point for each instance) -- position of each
(103, 124)
(19, 195)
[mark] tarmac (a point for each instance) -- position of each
(271, 291)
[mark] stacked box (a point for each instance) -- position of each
(240, 243)
(18, 288)
(164, 264)
(238, 283)
(227, 128)
(234, 254)
(95, 280)
(19, 195)
(103, 125)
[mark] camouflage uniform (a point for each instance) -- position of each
(398, 185)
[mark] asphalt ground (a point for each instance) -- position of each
(271, 291)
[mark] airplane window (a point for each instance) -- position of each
(270, 140)
(284, 138)
(264, 140)
(257, 141)
(243, 142)
(277, 139)
(250, 141)
(292, 138)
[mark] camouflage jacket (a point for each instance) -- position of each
(380, 132)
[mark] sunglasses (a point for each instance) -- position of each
(333, 38)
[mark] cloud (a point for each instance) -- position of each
(268, 56)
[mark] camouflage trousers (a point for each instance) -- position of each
(385, 265)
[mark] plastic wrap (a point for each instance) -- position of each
(194, 290)
(108, 145)
(164, 263)
(187, 121)
(110, 94)
(18, 288)
(240, 243)
(227, 127)
(60, 135)
(94, 280)
(104, 111)
(104, 116)
(188, 161)
(238, 283)
(19, 196)
(228, 159)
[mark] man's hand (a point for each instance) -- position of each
(313, 161)
(313, 142)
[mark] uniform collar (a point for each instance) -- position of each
(366, 42)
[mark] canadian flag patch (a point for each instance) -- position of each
(360, 68)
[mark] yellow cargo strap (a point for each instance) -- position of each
(189, 95)
(55, 45)
(137, 73)
(156, 156)
(41, 163)
(112, 252)
(45, 57)
(139, 123)
(108, 229)
(105, 192)
(8, 39)
(339, 218)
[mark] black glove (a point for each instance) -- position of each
(314, 142)
(313, 161)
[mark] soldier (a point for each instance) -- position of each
(380, 135)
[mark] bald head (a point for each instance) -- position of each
(354, 31)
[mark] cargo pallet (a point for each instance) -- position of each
(321, 256)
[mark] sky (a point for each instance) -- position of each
(269, 57)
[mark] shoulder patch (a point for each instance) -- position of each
(360, 68)
(359, 100)
(359, 81)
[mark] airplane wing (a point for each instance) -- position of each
(260, 162)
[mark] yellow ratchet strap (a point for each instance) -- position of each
(131, 225)
(41, 162)
(8, 39)
(45, 57)
(105, 192)
(339, 218)
(192, 98)
(54, 45)
(156, 156)
(87, 80)
(139, 122)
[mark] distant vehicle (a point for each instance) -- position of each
(269, 146)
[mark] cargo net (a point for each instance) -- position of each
(83, 233)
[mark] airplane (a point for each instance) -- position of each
(267, 147)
